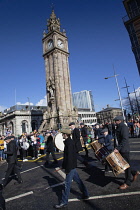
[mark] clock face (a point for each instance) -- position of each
(60, 43)
(50, 44)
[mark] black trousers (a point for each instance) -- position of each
(85, 141)
(35, 150)
(128, 171)
(48, 154)
(12, 167)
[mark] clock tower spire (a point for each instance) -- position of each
(60, 110)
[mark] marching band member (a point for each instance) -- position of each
(11, 160)
(122, 135)
(84, 136)
(70, 164)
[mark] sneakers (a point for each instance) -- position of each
(24, 160)
(59, 206)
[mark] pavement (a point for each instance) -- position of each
(42, 186)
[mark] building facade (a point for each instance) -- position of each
(108, 114)
(87, 116)
(132, 24)
(21, 118)
(83, 100)
(60, 109)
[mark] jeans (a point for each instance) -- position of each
(73, 175)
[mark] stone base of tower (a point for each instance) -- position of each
(58, 121)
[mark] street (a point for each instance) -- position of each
(42, 187)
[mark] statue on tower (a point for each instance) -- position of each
(50, 88)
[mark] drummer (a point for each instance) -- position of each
(50, 149)
(122, 134)
(105, 140)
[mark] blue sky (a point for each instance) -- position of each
(97, 40)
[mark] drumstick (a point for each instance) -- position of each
(57, 170)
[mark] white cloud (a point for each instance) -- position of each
(27, 103)
(2, 108)
(137, 92)
(42, 102)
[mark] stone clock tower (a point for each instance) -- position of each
(60, 109)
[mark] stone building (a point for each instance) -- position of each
(21, 118)
(60, 109)
(108, 114)
(132, 24)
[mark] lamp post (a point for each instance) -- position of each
(129, 97)
(115, 75)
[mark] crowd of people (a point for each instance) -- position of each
(35, 143)
(75, 140)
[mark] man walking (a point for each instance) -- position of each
(11, 160)
(122, 135)
(84, 136)
(70, 164)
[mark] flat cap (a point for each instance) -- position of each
(118, 118)
(72, 123)
(104, 130)
(9, 137)
(66, 131)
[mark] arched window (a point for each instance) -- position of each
(24, 126)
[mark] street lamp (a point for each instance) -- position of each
(115, 75)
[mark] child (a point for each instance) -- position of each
(105, 140)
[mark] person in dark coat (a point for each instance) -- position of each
(11, 160)
(97, 131)
(105, 140)
(69, 164)
(76, 138)
(122, 135)
(84, 136)
(50, 149)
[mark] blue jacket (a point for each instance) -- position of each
(108, 143)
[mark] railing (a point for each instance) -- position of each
(132, 14)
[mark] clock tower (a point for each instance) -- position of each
(60, 110)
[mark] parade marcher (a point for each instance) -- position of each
(122, 135)
(109, 126)
(11, 160)
(70, 164)
(50, 149)
(84, 136)
(106, 142)
(97, 130)
(92, 135)
(76, 138)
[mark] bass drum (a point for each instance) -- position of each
(25, 145)
(59, 141)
